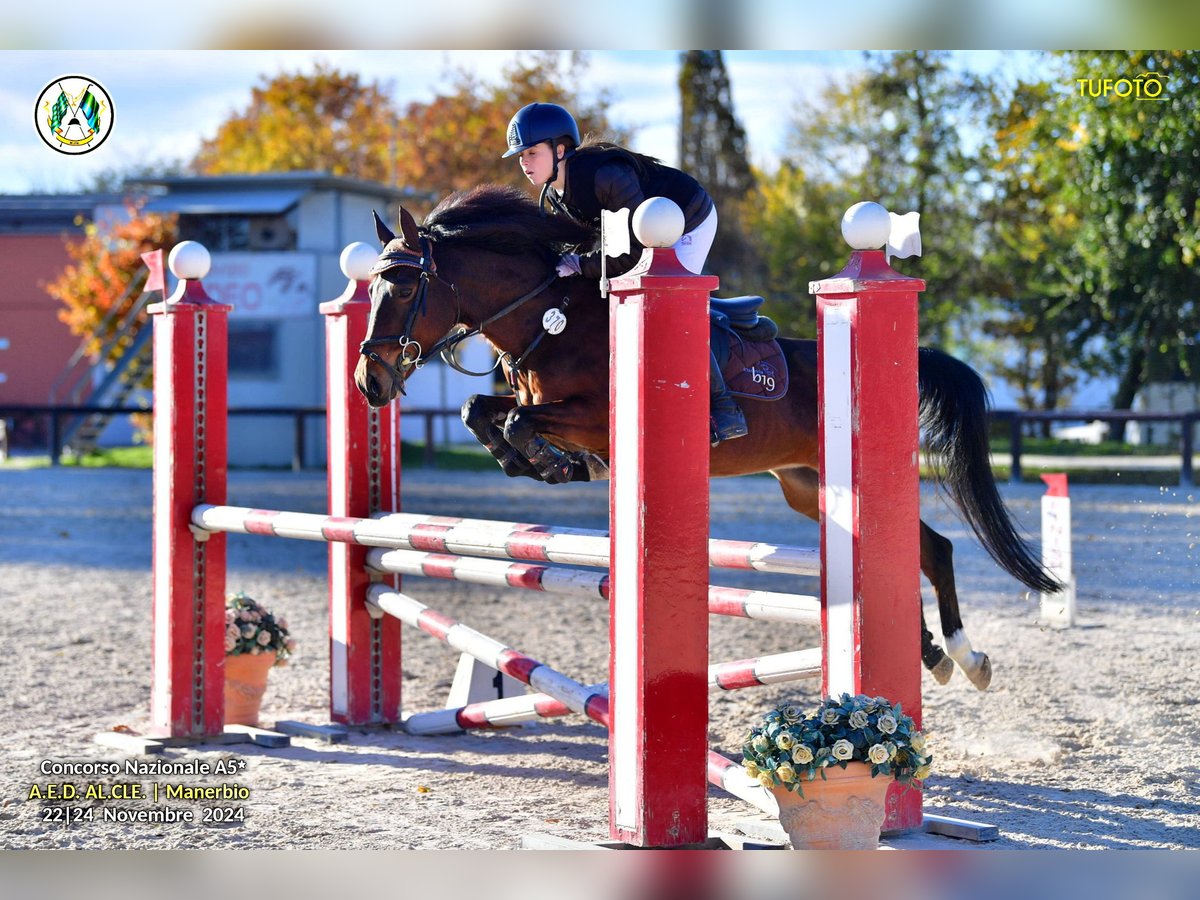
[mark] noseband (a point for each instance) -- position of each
(424, 262)
(458, 333)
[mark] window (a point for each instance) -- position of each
(253, 349)
(220, 232)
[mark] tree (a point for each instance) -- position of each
(794, 221)
(1135, 188)
(332, 121)
(1030, 263)
(455, 141)
(326, 121)
(898, 135)
(712, 149)
(104, 265)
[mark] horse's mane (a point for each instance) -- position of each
(503, 219)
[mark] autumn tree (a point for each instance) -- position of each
(455, 141)
(333, 121)
(327, 121)
(103, 267)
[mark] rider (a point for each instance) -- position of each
(580, 179)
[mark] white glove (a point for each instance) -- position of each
(568, 265)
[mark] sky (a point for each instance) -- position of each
(168, 101)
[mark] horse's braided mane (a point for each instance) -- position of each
(503, 219)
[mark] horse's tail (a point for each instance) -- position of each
(953, 416)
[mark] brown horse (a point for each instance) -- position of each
(483, 263)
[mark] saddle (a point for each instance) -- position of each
(745, 346)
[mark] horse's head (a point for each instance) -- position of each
(411, 308)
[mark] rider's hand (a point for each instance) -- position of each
(568, 265)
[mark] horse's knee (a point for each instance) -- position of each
(516, 427)
(474, 412)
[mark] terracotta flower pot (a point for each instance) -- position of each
(245, 683)
(843, 812)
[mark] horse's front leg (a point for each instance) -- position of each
(576, 422)
(484, 417)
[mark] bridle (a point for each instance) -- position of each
(458, 333)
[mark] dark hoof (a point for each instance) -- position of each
(943, 670)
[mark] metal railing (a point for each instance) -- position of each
(1016, 419)
(58, 415)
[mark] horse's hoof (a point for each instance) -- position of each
(943, 670)
(981, 676)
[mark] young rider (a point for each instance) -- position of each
(579, 179)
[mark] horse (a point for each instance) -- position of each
(483, 263)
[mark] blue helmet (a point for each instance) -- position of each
(539, 122)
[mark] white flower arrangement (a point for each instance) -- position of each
(250, 628)
(789, 747)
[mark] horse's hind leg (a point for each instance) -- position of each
(937, 562)
(801, 489)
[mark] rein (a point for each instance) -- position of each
(446, 345)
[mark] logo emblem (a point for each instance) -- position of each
(73, 114)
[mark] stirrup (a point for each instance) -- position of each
(731, 429)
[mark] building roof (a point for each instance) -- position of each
(244, 202)
(301, 182)
(50, 213)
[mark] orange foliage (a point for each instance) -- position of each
(330, 121)
(103, 266)
(455, 141)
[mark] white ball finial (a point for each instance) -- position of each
(866, 226)
(189, 261)
(356, 260)
(658, 222)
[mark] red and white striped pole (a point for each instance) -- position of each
(190, 443)
(870, 481)
(658, 511)
(364, 478)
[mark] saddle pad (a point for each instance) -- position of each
(754, 369)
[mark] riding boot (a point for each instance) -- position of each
(726, 420)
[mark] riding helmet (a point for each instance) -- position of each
(539, 122)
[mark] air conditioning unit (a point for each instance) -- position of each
(270, 233)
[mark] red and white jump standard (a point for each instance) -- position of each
(190, 440)
(870, 490)
(364, 479)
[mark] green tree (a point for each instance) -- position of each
(1135, 186)
(712, 149)
(794, 222)
(1030, 264)
(901, 134)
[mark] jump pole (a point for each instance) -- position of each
(658, 514)
(364, 479)
(870, 481)
(190, 442)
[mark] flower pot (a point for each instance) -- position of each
(843, 812)
(245, 683)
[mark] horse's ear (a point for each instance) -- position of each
(408, 226)
(385, 236)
